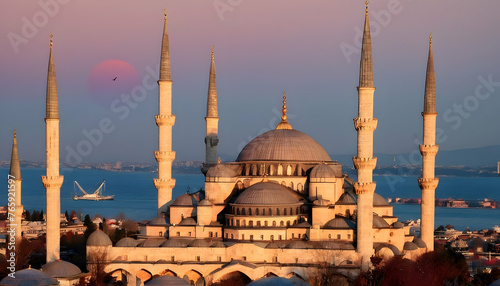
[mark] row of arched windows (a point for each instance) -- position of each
(266, 211)
(258, 223)
(272, 170)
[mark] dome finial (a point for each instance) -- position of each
(165, 13)
(14, 133)
(51, 41)
(430, 39)
(219, 161)
(212, 53)
(366, 6)
(284, 123)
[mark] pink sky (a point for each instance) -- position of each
(261, 49)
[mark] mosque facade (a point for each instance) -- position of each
(282, 208)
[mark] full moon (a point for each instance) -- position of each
(110, 79)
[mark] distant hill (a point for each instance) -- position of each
(474, 157)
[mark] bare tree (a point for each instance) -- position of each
(97, 260)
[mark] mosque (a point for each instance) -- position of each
(282, 208)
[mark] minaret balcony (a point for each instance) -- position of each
(165, 120)
(428, 183)
(363, 188)
(369, 124)
(429, 150)
(162, 156)
(162, 184)
(52, 181)
(364, 163)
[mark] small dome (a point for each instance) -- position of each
(398, 224)
(199, 243)
(187, 221)
(410, 246)
(186, 200)
(99, 238)
(390, 247)
(266, 193)
(379, 201)
(273, 245)
(127, 242)
(218, 244)
(283, 145)
(340, 223)
(379, 222)
(158, 221)
(29, 277)
(419, 242)
(60, 268)
(272, 281)
(176, 242)
(322, 171)
(205, 202)
(220, 171)
(167, 280)
(298, 244)
(152, 242)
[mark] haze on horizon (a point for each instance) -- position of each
(261, 49)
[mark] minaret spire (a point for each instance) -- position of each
(52, 181)
(366, 64)
(212, 120)
(165, 53)
(52, 105)
(428, 183)
(364, 162)
(165, 121)
(15, 175)
(284, 123)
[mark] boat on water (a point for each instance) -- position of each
(95, 194)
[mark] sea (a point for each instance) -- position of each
(135, 195)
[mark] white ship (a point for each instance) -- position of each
(93, 195)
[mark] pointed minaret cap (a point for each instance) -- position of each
(165, 54)
(284, 123)
(366, 64)
(15, 168)
(212, 109)
(430, 83)
(52, 103)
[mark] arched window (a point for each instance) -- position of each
(289, 170)
(258, 223)
(272, 237)
(284, 211)
(263, 211)
(265, 223)
(243, 212)
(282, 223)
(250, 223)
(348, 236)
(277, 211)
(238, 211)
(160, 233)
(243, 223)
(288, 223)
(251, 237)
(238, 222)
(339, 236)
(254, 170)
(249, 211)
(270, 212)
(272, 170)
(280, 170)
(291, 211)
(257, 211)
(274, 223)
(291, 185)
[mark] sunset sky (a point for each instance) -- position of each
(310, 49)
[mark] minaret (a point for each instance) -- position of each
(52, 181)
(165, 120)
(15, 174)
(212, 120)
(364, 162)
(429, 149)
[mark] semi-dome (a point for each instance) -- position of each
(186, 200)
(220, 171)
(350, 198)
(322, 171)
(379, 222)
(419, 242)
(158, 221)
(167, 280)
(266, 193)
(60, 268)
(410, 246)
(340, 223)
(283, 145)
(99, 238)
(187, 221)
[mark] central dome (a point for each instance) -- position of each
(283, 145)
(266, 193)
